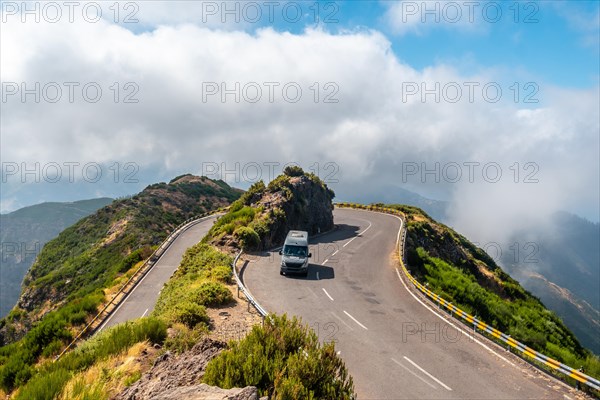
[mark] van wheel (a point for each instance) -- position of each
(280, 272)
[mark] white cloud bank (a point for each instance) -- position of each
(369, 133)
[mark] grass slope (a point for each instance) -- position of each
(468, 277)
(68, 282)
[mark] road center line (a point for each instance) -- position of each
(144, 314)
(334, 253)
(360, 233)
(414, 374)
(428, 374)
(325, 262)
(355, 320)
(330, 298)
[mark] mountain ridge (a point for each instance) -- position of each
(25, 231)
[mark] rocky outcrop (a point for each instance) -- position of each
(206, 392)
(307, 205)
(292, 201)
(172, 372)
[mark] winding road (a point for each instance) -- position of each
(142, 299)
(394, 344)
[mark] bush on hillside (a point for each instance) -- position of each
(283, 359)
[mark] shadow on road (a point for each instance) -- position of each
(341, 232)
(315, 272)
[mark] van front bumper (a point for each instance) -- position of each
(301, 269)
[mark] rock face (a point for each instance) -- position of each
(206, 392)
(290, 202)
(173, 373)
(307, 205)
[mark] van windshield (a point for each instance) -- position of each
(298, 251)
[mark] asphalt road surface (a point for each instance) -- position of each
(394, 346)
(142, 299)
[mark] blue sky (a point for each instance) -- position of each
(554, 42)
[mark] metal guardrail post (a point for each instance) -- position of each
(251, 300)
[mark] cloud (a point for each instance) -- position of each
(417, 17)
(372, 129)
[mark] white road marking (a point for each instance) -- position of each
(342, 321)
(355, 320)
(414, 374)
(360, 233)
(325, 262)
(464, 332)
(473, 338)
(334, 253)
(330, 298)
(144, 314)
(428, 374)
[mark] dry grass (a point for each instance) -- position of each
(107, 378)
(115, 230)
(232, 321)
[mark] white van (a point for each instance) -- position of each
(294, 253)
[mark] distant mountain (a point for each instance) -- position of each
(562, 268)
(437, 209)
(25, 231)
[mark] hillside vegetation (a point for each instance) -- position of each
(282, 358)
(23, 233)
(468, 277)
(181, 309)
(74, 272)
(262, 217)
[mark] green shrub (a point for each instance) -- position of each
(53, 349)
(212, 294)
(130, 260)
(78, 317)
(293, 170)
(254, 192)
(248, 238)
(284, 359)
(190, 314)
(15, 371)
(221, 273)
(45, 332)
(185, 338)
(44, 386)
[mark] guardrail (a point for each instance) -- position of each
(251, 300)
(135, 278)
(477, 324)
